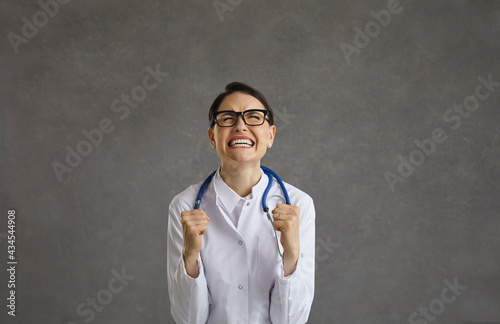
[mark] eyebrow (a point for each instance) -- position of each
(263, 108)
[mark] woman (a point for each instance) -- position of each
(224, 261)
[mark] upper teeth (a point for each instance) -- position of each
(241, 141)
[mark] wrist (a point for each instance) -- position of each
(291, 257)
(290, 261)
(291, 251)
(190, 256)
(191, 265)
(189, 253)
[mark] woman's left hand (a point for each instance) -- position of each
(286, 220)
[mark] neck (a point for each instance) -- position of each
(241, 178)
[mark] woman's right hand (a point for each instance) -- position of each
(194, 225)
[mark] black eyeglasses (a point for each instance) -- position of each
(251, 117)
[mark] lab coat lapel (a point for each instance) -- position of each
(217, 211)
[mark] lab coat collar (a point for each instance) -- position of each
(220, 193)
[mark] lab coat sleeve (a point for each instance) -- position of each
(189, 297)
(292, 296)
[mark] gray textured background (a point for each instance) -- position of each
(381, 253)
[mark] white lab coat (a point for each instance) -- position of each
(241, 276)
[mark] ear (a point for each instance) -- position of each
(211, 135)
(272, 134)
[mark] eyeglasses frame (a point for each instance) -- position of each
(241, 113)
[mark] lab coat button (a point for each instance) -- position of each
(248, 204)
(240, 287)
(240, 242)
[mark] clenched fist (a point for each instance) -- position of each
(194, 225)
(286, 220)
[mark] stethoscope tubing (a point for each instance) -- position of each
(270, 174)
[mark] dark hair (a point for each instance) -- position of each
(239, 87)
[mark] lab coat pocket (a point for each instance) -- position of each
(267, 260)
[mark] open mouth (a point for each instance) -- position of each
(241, 143)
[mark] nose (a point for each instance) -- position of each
(240, 123)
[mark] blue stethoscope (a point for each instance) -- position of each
(270, 173)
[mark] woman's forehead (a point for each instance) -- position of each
(239, 101)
